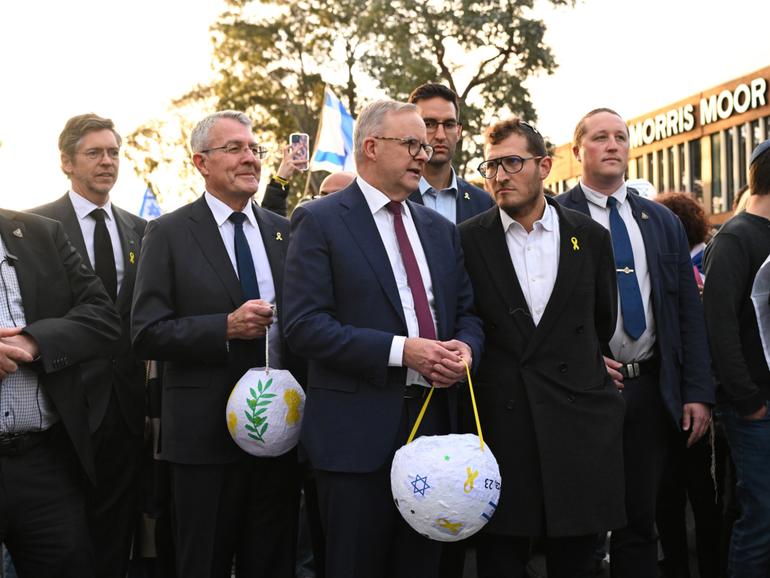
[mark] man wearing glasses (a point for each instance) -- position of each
(206, 290)
(544, 284)
(440, 188)
(658, 354)
(378, 301)
(108, 240)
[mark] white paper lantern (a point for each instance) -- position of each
(446, 487)
(264, 412)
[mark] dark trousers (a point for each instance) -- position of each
(634, 549)
(42, 511)
(688, 475)
(507, 556)
(113, 505)
(366, 537)
(247, 510)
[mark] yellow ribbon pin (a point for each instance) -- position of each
(467, 197)
(575, 246)
(278, 236)
(131, 257)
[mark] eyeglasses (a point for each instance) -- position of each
(431, 125)
(97, 154)
(413, 145)
(234, 149)
(511, 165)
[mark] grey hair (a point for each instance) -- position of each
(199, 139)
(371, 119)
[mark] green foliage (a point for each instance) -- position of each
(258, 403)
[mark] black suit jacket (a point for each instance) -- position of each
(185, 288)
(680, 329)
(123, 370)
(68, 313)
(548, 409)
(471, 200)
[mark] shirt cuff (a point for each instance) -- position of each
(396, 357)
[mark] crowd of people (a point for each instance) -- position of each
(600, 334)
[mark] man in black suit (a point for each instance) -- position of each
(440, 188)
(659, 355)
(544, 284)
(108, 240)
(54, 314)
(208, 282)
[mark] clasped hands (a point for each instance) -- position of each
(15, 349)
(440, 362)
(250, 320)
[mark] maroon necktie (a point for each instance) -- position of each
(413, 277)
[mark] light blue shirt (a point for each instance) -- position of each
(444, 201)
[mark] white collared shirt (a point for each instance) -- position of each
(383, 218)
(222, 214)
(625, 349)
(535, 257)
(442, 201)
(83, 208)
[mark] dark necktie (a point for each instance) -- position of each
(104, 258)
(246, 272)
(413, 276)
(631, 303)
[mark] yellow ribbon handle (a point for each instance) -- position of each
(473, 402)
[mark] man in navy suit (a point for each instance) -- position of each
(440, 188)
(378, 300)
(659, 354)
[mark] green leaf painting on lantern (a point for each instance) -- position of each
(258, 403)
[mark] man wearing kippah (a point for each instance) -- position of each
(731, 261)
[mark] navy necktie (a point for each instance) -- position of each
(246, 272)
(631, 304)
(104, 257)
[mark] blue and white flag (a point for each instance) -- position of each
(334, 149)
(150, 207)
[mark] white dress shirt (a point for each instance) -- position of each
(624, 348)
(535, 257)
(443, 201)
(222, 214)
(83, 208)
(383, 218)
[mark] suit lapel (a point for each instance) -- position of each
(206, 233)
(360, 222)
(129, 243)
(463, 201)
(498, 263)
(579, 201)
(68, 218)
(13, 234)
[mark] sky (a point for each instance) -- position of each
(128, 60)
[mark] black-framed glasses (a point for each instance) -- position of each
(431, 125)
(237, 149)
(511, 165)
(97, 154)
(412, 145)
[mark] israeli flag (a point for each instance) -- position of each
(150, 207)
(334, 149)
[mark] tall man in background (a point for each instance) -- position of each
(108, 240)
(440, 188)
(659, 354)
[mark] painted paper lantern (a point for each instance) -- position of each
(446, 487)
(264, 412)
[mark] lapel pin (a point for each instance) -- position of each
(575, 246)
(278, 236)
(131, 257)
(467, 197)
(18, 233)
(644, 216)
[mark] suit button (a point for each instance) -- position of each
(571, 398)
(579, 329)
(563, 367)
(510, 404)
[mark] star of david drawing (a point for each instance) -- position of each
(420, 484)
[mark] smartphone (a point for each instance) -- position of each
(300, 144)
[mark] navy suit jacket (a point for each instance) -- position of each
(471, 200)
(341, 311)
(680, 330)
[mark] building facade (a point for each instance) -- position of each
(700, 144)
